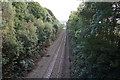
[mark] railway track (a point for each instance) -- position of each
(52, 66)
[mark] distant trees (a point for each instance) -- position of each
(95, 40)
(26, 33)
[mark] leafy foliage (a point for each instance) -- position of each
(94, 31)
(26, 32)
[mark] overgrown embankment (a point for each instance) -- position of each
(27, 29)
(94, 31)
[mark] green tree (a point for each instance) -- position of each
(26, 32)
(95, 45)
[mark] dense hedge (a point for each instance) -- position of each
(27, 29)
(94, 31)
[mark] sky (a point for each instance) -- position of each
(60, 8)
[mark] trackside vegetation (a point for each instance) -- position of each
(27, 29)
(94, 32)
